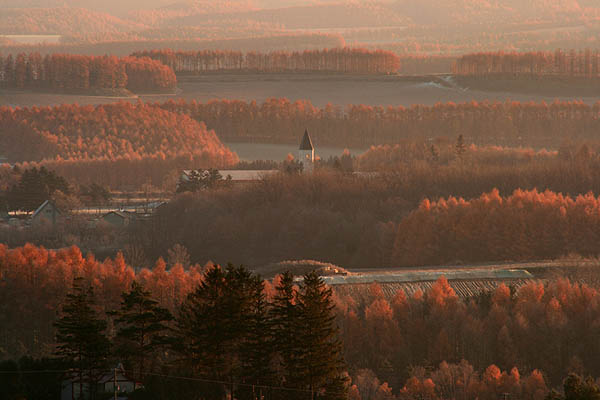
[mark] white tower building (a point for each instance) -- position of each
(306, 154)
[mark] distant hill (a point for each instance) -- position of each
(311, 17)
(106, 132)
(61, 21)
(290, 42)
(430, 12)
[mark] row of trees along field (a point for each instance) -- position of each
(413, 342)
(36, 133)
(346, 60)
(78, 72)
(112, 131)
(505, 124)
(582, 63)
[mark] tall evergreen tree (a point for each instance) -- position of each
(213, 327)
(142, 330)
(81, 340)
(257, 350)
(321, 364)
(283, 316)
(34, 187)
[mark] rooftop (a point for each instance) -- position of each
(306, 143)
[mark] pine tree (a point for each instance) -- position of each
(283, 316)
(81, 340)
(461, 147)
(142, 329)
(257, 350)
(214, 327)
(321, 364)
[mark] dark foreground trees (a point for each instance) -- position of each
(142, 331)
(398, 332)
(81, 339)
(226, 335)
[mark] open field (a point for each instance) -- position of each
(319, 89)
(467, 281)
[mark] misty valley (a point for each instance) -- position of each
(299, 200)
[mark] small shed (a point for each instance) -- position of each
(116, 218)
(47, 213)
(71, 387)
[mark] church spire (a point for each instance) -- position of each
(306, 143)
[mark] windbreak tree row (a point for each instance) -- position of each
(506, 124)
(345, 60)
(572, 63)
(79, 72)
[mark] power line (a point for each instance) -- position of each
(41, 371)
(187, 378)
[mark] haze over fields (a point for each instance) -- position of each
(300, 199)
(423, 26)
(319, 91)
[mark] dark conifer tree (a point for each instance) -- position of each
(213, 323)
(257, 349)
(142, 330)
(81, 340)
(321, 364)
(283, 315)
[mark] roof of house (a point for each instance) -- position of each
(121, 214)
(306, 143)
(247, 175)
(40, 208)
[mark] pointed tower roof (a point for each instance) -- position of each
(306, 143)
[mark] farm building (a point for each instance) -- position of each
(235, 176)
(117, 219)
(47, 214)
(73, 389)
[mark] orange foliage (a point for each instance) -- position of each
(500, 124)
(345, 60)
(574, 63)
(34, 281)
(114, 131)
(77, 72)
(527, 225)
